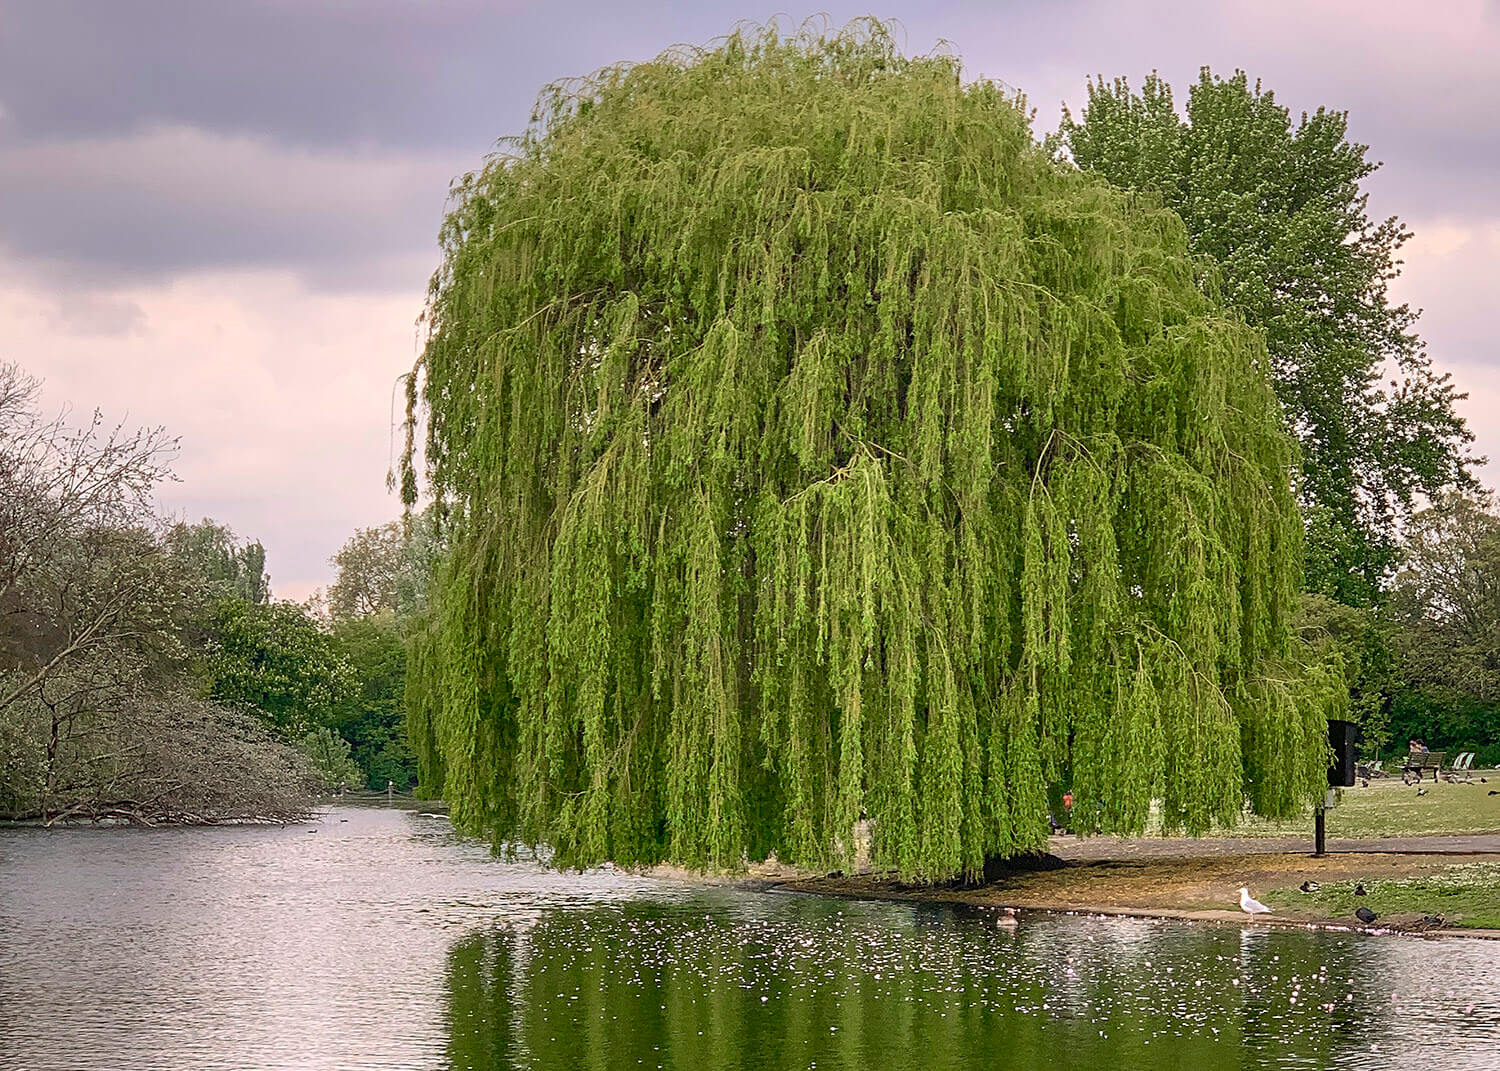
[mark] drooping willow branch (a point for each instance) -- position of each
(816, 448)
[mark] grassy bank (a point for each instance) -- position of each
(1387, 808)
(1465, 894)
(1201, 879)
(1390, 809)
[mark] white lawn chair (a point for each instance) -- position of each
(1462, 768)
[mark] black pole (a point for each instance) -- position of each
(1319, 834)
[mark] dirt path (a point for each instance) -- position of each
(1103, 848)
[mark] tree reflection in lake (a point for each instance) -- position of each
(798, 983)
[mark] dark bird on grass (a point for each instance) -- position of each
(1359, 889)
(1364, 784)
(1421, 792)
(1365, 915)
(1494, 793)
(1308, 886)
(1432, 920)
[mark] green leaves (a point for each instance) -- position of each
(819, 452)
(1445, 609)
(1278, 213)
(219, 562)
(272, 659)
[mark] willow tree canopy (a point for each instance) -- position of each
(817, 448)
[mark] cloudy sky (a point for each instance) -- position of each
(220, 217)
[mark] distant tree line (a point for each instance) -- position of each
(330, 674)
(147, 675)
(1425, 662)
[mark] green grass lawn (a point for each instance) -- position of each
(1390, 809)
(1465, 894)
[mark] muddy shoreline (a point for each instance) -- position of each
(1191, 888)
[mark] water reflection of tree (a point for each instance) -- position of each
(639, 986)
(479, 1021)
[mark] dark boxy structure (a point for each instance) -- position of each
(1342, 736)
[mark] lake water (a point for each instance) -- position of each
(382, 941)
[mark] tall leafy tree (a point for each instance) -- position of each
(369, 572)
(272, 659)
(817, 447)
(1280, 210)
(224, 565)
(384, 569)
(1446, 603)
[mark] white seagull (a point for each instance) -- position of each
(1250, 905)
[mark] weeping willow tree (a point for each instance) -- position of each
(816, 449)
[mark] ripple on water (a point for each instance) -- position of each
(384, 941)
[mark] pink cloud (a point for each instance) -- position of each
(281, 397)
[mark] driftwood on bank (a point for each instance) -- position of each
(131, 813)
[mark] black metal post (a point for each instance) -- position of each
(1320, 839)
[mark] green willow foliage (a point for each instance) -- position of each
(816, 448)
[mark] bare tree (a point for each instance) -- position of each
(98, 715)
(57, 481)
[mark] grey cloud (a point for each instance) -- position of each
(149, 139)
(378, 71)
(170, 200)
(454, 75)
(322, 136)
(387, 72)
